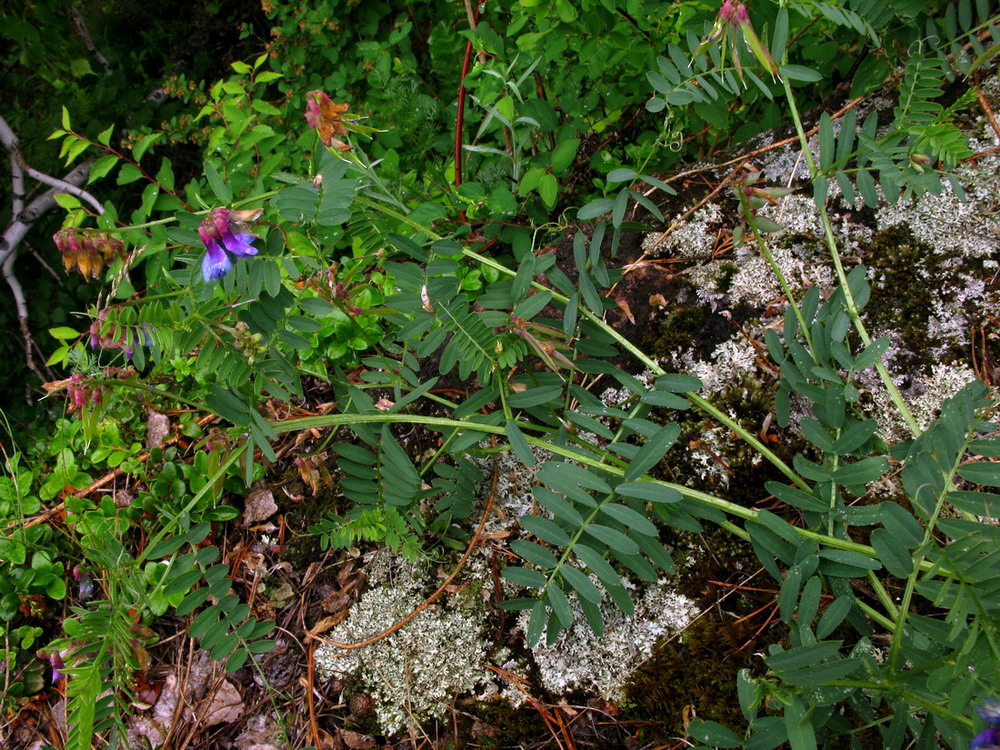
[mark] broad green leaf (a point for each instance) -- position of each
(613, 538)
(802, 656)
(63, 332)
(558, 505)
(564, 155)
(834, 615)
(629, 518)
(893, 554)
(796, 497)
(677, 383)
(987, 474)
(536, 624)
(519, 444)
(846, 557)
(788, 596)
(524, 576)
(601, 567)
(651, 491)
(581, 583)
(535, 396)
(900, 524)
(534, 553)
(872, 353)
(861, 472)
(800, 73)
(557, 474)
(714, 734)
(545, 529)
(595, 208)
(652, 451)
(218, 185)
(560, 605)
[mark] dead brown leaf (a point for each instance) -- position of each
(258, 505)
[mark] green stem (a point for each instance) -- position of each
(787, 290)
(831, 242)
(692, 397)
(884, 597)
(711, 501)
(911, 580)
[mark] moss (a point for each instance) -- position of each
(692, 676)
(707, 457)
(499, 724)
(903, 264)
(680, 329)
(725, 278)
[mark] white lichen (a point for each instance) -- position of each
(948, 224)
(415, 673)
(944, 382)
(580, 660)
(694, 238)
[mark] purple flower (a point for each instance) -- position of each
(55, 661)
(223, 232)
(989, 738)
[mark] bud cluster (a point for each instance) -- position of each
(250, 343)
(324, 116)
(87, 250)
(82, 392)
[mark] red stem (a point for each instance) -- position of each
(460, 113)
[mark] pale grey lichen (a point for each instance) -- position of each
(416, 672)
(513, 496)
(694, 238)
(581, 660)
(944, 382)
(971, 227)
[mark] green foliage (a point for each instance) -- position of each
(364, 276)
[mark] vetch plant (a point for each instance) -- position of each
(888, 608)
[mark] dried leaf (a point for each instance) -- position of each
(225, 706)
(258, 505)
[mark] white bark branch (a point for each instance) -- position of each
(23, 218)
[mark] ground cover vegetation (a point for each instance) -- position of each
(365, 251)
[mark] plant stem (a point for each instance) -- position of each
(692, 397)
(747, 514)
(831, 242)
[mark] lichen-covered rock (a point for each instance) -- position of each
(416, 672)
